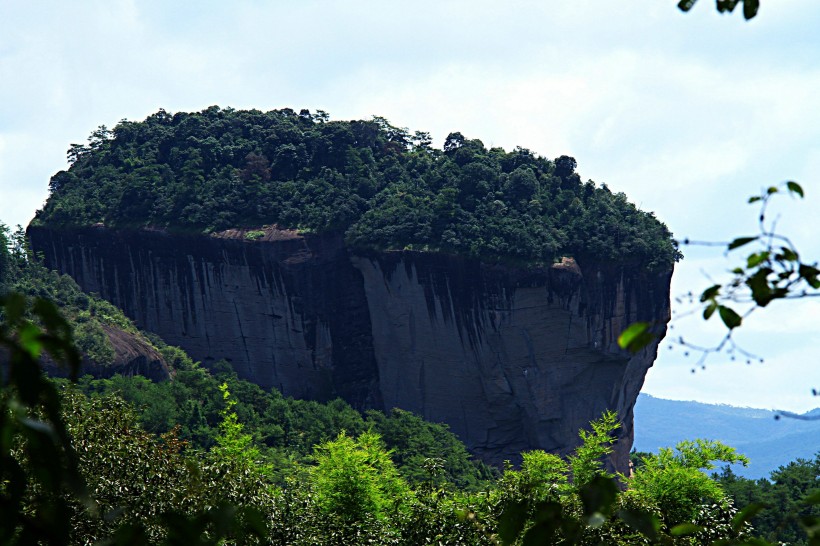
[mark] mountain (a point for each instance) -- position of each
(472, 286)
(768, 442)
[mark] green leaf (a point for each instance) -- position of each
(756, 259)
(810, 274)
(754, 198)
(710, 293)
(51, 317)
(538, 535)
(685, 529)
(771, 190)
(759, 284)
(750, 8)
(635, 337)
(595, 520)
(128, 533)
(29, 336)
(740, 241)
(729, 317)
(726, 5)
(795, 188)
(598, 497)
(788, 254)
(40, 427)
(811, 525)
(709, 310)
(813, 497)
(686, 5)
(548, 518)
(15, 305)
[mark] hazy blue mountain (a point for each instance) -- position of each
(768, 442)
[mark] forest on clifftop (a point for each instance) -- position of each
(381, 186)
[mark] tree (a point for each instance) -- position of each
(232, 443)
(355, 479)
(596, 445)
(69, 468)
(453, 142)
(539, 505)
(565, 166)
(785, 515)
(521, 184)
(675, 481)
(5, 257)
(374, 183)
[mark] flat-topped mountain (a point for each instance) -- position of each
(352, 259)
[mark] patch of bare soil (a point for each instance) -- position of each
(264, 233)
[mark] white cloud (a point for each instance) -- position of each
(687, 114)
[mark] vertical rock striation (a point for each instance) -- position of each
(512, 359)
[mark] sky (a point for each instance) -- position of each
(688, 114)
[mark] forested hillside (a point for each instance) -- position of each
(381, 186)
(208, 456)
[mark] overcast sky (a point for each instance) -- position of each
(688, 114)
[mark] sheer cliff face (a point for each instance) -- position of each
(510, 359)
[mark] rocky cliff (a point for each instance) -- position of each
(133, 355)
(512, 359)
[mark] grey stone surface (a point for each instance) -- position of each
(512, 359)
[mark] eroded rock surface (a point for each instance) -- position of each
(133, 355)
(511, 359)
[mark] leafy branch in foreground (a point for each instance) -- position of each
(48, 491)
(750, 7)
(772, 270)
(33, 438)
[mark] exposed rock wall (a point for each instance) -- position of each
(133, 355)
(511, 359)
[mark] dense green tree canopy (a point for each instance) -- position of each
(379, 185)
(783, 495)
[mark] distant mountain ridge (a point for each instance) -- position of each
(769, 443)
